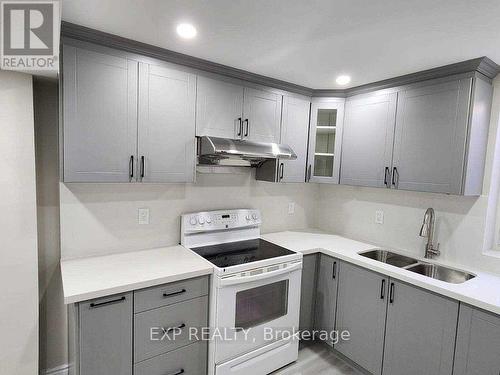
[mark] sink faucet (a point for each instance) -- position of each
(427, 230)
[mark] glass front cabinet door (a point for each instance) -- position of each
(325, 139)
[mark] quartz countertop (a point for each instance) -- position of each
(93, 277)
(482, 291)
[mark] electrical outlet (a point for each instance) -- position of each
(379, 217)
(143, 216)
(291, 208)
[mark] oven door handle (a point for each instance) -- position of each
(262, 276)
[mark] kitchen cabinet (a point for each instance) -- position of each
(433, 140)
(430, 145)
(219, 107)
(125, 120)
(361, 310)
(368, 139)
(99, 115)
(166, 145)
(478, 343)
(325, 140)
(105, 335)
(326, 295)
(294, 132)
(261, 116)
(308, 292)
(420, 331)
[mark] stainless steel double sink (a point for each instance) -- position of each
(432, 270)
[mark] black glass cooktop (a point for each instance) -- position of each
(234, 253)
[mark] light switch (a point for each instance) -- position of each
(291, 208)
(143, 216)
(379, 217)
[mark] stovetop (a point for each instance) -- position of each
(240, 252)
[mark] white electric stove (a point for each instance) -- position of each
(255, 294)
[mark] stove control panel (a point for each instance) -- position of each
(219, 220)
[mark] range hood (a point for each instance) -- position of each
(240, 153)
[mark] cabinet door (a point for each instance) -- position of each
(106, 335)
(261, 116)
(219, 108)
(99, 116)
(478, 343)
(325, 141)
(368, 139)
(420, 331)
(431, 129)
(307, 292)
(326, 295)
(294, 130)
(166, 124)
(361, 310)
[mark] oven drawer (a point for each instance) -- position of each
(188, 360)
(168, 294)
(179, 317)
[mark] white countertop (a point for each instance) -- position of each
(483, 291)
(93, 277)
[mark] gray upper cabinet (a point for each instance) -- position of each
(99, 116)
(326, 294)
(219, 108)
(430, 138)
(325, 140)
(261, 116)
(368, 139)
(294, 130)
(420, 332)
(478, 343)
(361, 310)
(105, 335)
(166, 146)
(124, 120)
(308, 292)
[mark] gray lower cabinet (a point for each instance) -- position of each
(105, 335)
(115, 336)
(420, 332)
(189, 360)
(326, 295)
(478, 343)
(361, 310)
(307, 292)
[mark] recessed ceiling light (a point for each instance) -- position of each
(186, 30)
(343, 80)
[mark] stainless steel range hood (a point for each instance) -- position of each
(231, 152)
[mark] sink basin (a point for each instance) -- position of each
(389, 257)
(441, 273)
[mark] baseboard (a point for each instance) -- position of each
(59, 370)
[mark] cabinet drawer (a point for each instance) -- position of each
(178, 319)
(188, 360)
(168, 294)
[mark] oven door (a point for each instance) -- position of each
(250, 308)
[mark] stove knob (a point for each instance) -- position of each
(209, 219)
(192, 220)
(201, 220)
(247, 217)
(254, 216)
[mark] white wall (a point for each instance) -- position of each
(18, 228)
(350, 211)
(102, 218)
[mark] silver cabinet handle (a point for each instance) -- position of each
(247, 127)
(174, 293)
(382, 289)
(179, 372)
(171, 329)
(334, 270)
(282, 168)
(387, 177)
(240, 128)
(391, 293)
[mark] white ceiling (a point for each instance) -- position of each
(308, 42)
